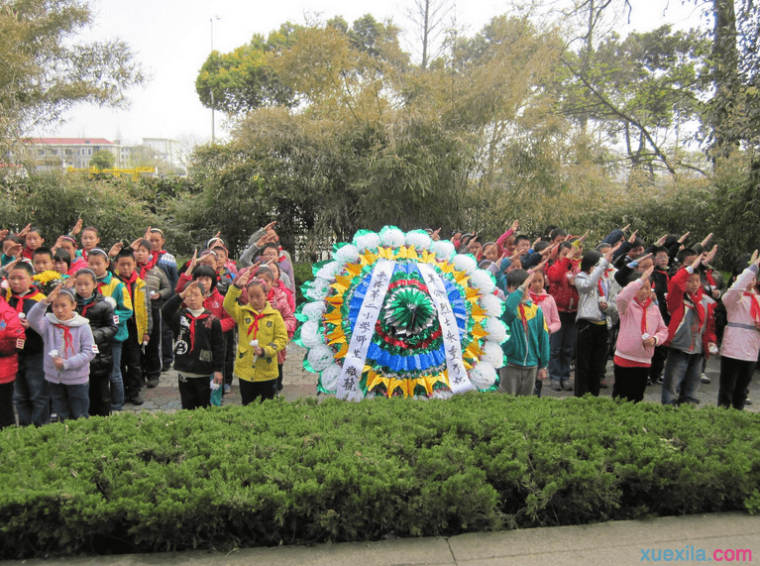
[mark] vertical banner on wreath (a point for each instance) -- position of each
(459, 382)
(353, 364)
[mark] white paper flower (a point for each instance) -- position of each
(441, 394)
(465, 263)
(367, 242)
(314, 311)
(444, 249)
(493, 354)
(320, 288)
(320, 357)
(483, 375)
(310, 334)
(329, 270)
(330, 377)
(419, 239)
(392, 237)
(497, 331)
(493, 305)
(347, 254)
(482, 281)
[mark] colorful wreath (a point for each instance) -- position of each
(396, 314)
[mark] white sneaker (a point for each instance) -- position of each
(705, 379)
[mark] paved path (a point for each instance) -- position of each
(616, 543)
(300, 383)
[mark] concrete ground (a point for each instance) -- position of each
(300, 383)
(602, 544)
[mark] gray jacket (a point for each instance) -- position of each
(586, 283)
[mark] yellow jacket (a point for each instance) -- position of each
(143, 314)
(271, 334)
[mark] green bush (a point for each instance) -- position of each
(304, 473)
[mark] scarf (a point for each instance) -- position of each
(709, 278)
(538, 298)
(130, 283)
(603, 289)
(68, 340)
(524, 320)
(754, 306)
(645, 306)
(254, 327)
(20, 299)
(147, 267)
(193, 320)
(155, 255)
(85, 306)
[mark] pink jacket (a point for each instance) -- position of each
(279, 301)
(629, 343)
(741, 341)
(549, 308)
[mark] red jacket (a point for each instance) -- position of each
(11, 332)
(676, 308)
(565, 294)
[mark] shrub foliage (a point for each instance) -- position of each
(303, 473)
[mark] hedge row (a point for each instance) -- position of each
(303, 473)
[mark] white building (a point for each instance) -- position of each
(61, 153)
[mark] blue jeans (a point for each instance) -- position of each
(681, 379)
(117, 383)
(562, 345)
(32, 394)
(70, 401)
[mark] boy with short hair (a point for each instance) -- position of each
(139, 326)
(32, 393)
(691, 334)
(527, 350)
(42, 260)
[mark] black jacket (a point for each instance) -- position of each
(104, 328)
(198, 352)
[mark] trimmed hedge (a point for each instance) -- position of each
(303, 473)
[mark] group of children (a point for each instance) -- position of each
(83, 330)
(654, 310)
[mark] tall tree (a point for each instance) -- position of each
(45, 71)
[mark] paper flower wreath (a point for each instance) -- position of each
(396, 314)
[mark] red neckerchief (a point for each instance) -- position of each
(538, 298)
(193, 320)
(147, 267)
(20, 298)
(521, 307)
(68, 339)
(600, 287)
(155, 254)
(645, 306)
(709, 277)
(27, 253)
(130, 285)
(754, 308)
(254, 327)
(88, 305)
(84, 254)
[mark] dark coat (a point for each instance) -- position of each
(101, 316)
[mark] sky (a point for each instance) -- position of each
(172, 38)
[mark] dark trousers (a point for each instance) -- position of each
(229, 355)
(7, 418)
(151, 358)
(658, 362)
(195, 392)
(735, 377)
(630, 383)
(250, 390)
(590, 357)
(70, 401)
(279, 377)
(131, 371)
(100, 396)
(562, 345)
(167, 346)
(32, 393)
